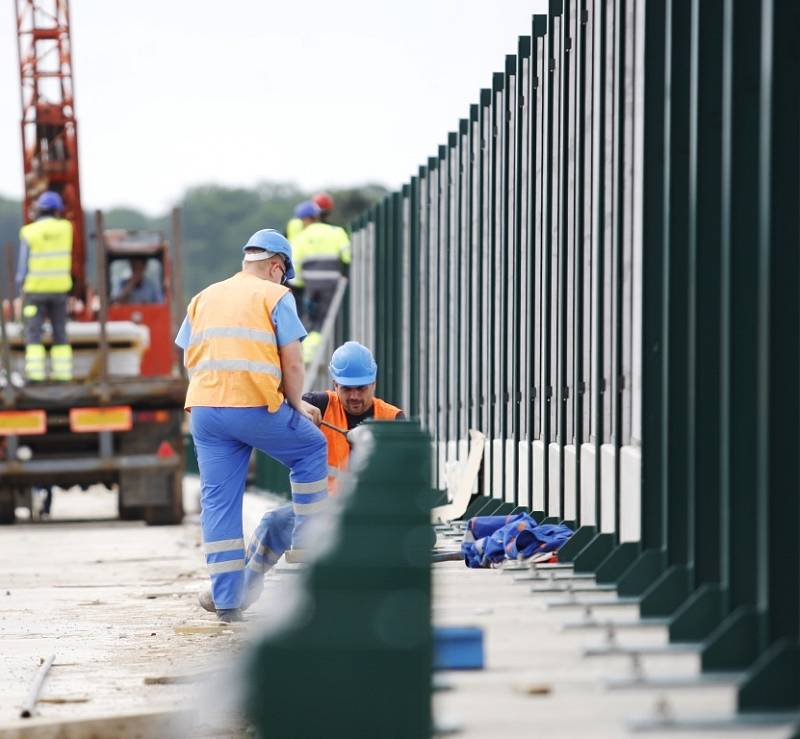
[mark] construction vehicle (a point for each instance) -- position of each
(118, 422)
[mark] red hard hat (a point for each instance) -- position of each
(323, 200)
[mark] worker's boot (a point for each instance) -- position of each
(206, 600)
(229, 615)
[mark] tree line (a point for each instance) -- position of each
(215, 221)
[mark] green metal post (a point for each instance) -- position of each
(592, 556)
(734, 644)
(414, 277)
(564, 249)
(773, 682)
(703, 611)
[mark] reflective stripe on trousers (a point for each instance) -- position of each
(272, 537)
(61, 362)
(35, 357)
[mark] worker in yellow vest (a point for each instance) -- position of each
(354, 372)
(323, 256)
(44, 276)
(304, 213)
(241, 341)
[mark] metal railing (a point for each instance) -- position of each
(599, 270)
(317, 371)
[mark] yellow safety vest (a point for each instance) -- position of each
(294, 227)
(232, 357)
(320, 241)
(49, 255)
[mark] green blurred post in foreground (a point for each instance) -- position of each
(356, 660)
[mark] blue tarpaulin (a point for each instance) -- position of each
(491, 539)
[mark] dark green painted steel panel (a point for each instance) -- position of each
(611, 569)
(595, 552)
(697, 618)
(665, 595)
(573, 547)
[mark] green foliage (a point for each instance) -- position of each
(216, 221)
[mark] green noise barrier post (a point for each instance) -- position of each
(355, 660)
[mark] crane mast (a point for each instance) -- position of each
(48, 126)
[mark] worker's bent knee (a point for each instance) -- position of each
(279, 518)
(313, 440)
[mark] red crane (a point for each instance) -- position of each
(48, 126)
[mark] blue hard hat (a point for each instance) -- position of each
(50, 200)
(307, 209)
(274, 242)
(352, 364)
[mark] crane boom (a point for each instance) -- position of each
(48, 126)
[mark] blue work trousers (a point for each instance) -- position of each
(224, 439)
(272, 537)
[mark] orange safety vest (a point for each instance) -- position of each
(232, 357)
(338, 448)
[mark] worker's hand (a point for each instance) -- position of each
(311, 412)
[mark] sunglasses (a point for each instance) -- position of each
(282, 268)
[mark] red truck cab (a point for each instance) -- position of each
(139, 284)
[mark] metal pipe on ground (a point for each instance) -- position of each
(36, 687)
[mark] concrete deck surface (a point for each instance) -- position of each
(537, 681)
(116, 603)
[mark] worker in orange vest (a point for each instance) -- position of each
(354, 372)
(241, 341)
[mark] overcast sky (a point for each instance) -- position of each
(178, 93)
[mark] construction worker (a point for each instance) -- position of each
(325, 203)
(241, 340)
(304, 213)
(137, 288)
(323, 255)
(353, 372)
(44, 276)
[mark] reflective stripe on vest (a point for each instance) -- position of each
(235, 365)
(49, 255)
(232, 356)
(232, 333)
(338, 448)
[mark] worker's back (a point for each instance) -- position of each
(320, 245)
(232, 355)
(49, 242)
